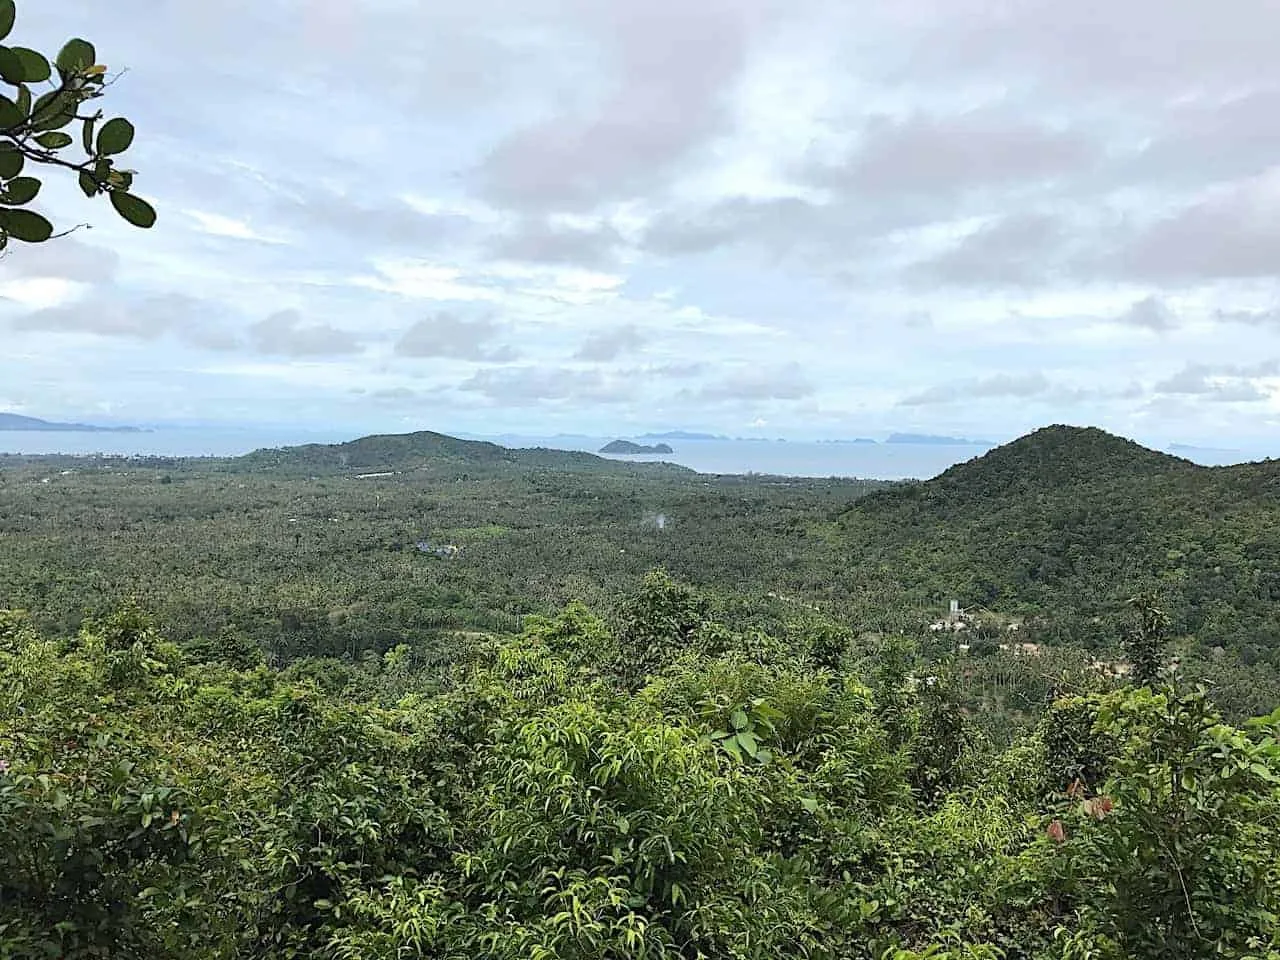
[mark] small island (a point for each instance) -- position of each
(634, 449)
(14, 421)
(929, 439)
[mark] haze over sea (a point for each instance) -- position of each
(878, 461)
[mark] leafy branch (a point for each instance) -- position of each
(32, 130)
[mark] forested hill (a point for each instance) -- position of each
(1076, 521)
(426, 450)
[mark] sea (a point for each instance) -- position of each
(870, 461)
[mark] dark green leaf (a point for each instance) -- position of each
(20, 190)
(739, 720)
(88, 184)
(24, 99)
(11, 163)
(8, 13)
(77, 55)
(35, 68)
(115, 137)
(25, 225)
(10, 66)
(88, 134)
(54, 140)
(135, 210)
(53, 110)
(10, 115)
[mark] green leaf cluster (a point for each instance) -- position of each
(32, 133)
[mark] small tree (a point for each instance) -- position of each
(32, 131)
(1147, 638)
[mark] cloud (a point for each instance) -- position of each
(217, 225)
(379, 221)
(939, 155)
(1233, 232)
(191, 321)
(64, 259)
(445, 335)
(1251, 318)
(674, 64)
(786, 382)
(532, 386)
(1013, 250)
(773, 223)
(604, 346)
(1004, 385)
(285, 333)
(1149, 313)
(1221, 383)
(392, 395)
(537, 240)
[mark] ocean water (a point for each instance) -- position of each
(879, 461)
(164, 442)
(868, 461)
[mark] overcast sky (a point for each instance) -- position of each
(808, 218)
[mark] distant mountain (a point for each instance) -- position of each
(1071, 522)
(14, 421)
(855, 440)
(931, 440)
(682, 435)
(402, 453)
(632, 449)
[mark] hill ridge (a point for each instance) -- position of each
(423, 449)
(1074, 520)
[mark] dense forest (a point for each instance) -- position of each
(421, 697)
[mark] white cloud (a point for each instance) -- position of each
(217, 225)
(40, 293)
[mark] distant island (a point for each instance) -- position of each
(929, 439)
(682, 435)
(630, 449)
(13, 421)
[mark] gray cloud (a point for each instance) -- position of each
(604, 346)
(380, 221)
(1222, 384)
(942, 155)
(1251, 318)
(1139, 48)
(673, 371)
(147, 318)
(534, 240)
(1232, 233)
(1149, 313)
(675, 64)
(1003, 385)
(774, 223)
(66, 259)
(445, 335)
(530, 386)
(1011, 251)
(787, 382)
(287, 334)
